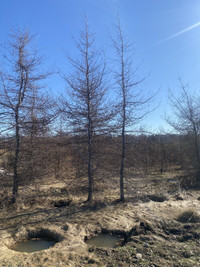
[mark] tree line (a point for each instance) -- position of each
(92, 123)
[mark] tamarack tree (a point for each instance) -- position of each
(20, 79)
(186, 121)
(132, 104)
(85, 103)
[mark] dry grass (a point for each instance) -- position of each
(37, 203)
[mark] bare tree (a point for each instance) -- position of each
(85, 104)
(186, 121)
(19, 84)
(131, 100)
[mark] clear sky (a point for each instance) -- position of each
(165, 34)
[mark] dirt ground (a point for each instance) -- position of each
(146, 221)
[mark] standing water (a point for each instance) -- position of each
(104, 240)
(33, 245)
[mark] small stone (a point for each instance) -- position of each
(139, 256)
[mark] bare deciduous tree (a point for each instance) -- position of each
(85, 103)
(19, 84)
(131, 99)
(186, 121)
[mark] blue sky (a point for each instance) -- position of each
(151, 24)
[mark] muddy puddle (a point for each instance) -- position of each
(30, 246)
(104, 240)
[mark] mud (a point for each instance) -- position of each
(152, 236)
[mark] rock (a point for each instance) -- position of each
(139, 256)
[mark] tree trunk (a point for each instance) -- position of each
(123, 128)
(90, 172)
(16, 160)
(90, 176)
(122, 166)
(197, 157)
(123, 144)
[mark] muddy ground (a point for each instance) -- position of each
(146, 221)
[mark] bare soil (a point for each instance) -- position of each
(146, 220)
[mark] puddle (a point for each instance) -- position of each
(104, 240)
(33, 245)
